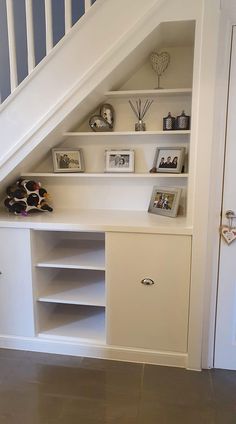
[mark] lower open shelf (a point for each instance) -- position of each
(86, 323)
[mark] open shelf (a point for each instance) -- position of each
(103, 175)
(126, 133)
(75, 288)
(74, 254)
(73, 322)
(152, 93)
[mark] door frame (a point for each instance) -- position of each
(227, 22)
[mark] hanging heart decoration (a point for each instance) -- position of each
(103, 121)
(229, 234)
(160, 62)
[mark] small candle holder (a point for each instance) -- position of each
(168, 123)
(183, 122)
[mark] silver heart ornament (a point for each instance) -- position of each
(107, 113)
(98, 123)
(104, 121)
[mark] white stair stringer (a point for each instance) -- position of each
(93, 52)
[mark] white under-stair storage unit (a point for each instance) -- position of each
(108, 279)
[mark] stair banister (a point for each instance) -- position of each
(48, 22)
(12, 45)
(30, 35)
(68, 15)
(87, 5)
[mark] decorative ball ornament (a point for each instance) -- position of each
(25, 196)
(159, 62)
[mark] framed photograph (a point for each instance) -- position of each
(119, 161)
(68, 160)
(165, 201)
(169, 159)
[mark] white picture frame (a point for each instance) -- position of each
(119, 161)
(68, 160)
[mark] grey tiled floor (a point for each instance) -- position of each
(51, 389)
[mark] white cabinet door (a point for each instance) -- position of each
(16, 301)
(148, 316)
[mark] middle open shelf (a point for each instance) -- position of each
(75, 287)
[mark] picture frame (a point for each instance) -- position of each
(169, 160)
(68, 160)
(119, 160)
(165, 201)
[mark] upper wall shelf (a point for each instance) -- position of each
(102, 175)
(152, 93)
(131, 133)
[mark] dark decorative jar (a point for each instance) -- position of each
(183, 122)
(168, 123)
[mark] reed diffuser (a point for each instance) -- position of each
(140, 111)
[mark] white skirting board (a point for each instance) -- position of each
(172, 359)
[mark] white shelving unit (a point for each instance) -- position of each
(92, 256)
(69, 267)
(97, 189)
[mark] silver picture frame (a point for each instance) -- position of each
(165, 201)
(169, 160)
(68, 160)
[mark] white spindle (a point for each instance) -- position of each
(30, 35)
(48, 21)
(68, 15)
(87, 5)
(11, 44)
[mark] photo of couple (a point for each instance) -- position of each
(67, 160)
(119, 160)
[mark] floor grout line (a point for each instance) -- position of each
(140, 391)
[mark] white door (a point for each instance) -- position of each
(225, 346)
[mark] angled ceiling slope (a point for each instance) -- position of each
(126, 53)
